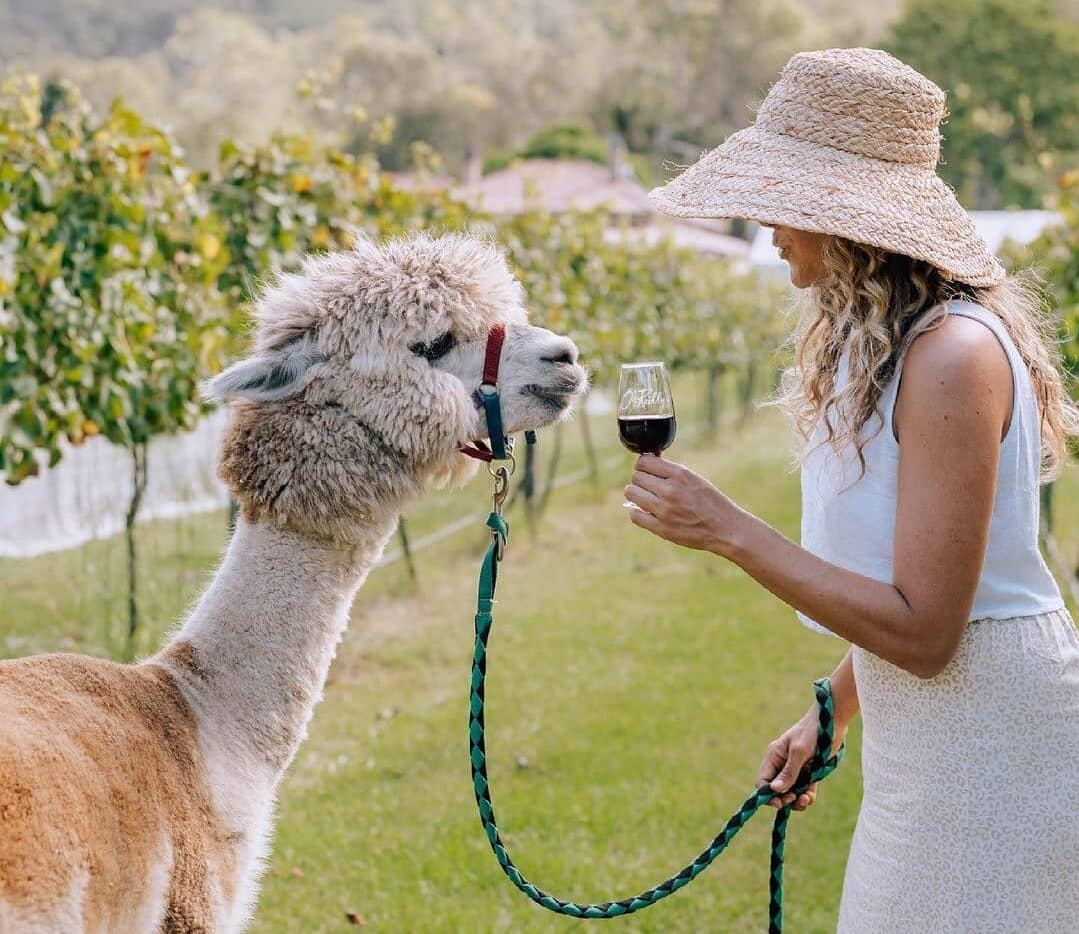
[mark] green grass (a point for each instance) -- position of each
(632, 688)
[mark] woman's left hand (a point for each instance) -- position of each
(680, 505)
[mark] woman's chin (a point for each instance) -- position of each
(802, 279)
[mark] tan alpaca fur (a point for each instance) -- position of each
(120, 762)
(140, 797)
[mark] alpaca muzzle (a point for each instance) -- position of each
(487, 398)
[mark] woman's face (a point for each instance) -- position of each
(801, 249)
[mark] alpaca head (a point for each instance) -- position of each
(359, 391)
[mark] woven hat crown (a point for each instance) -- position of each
(862, 101)
(846, 143)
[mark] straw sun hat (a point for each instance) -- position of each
(845, 143)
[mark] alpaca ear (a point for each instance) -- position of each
(267, 378)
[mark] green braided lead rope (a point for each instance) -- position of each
(819, 766)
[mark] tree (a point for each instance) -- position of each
(686, 73)
(460, 76)
(292, 195)
(1056, 254)
(567, 140)
(108, 306)
(1009, 69)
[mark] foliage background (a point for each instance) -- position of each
(108, 294)
(124, 274)
(470, 79)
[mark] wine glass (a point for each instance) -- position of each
(646, 422)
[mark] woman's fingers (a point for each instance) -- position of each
(657, 466)
(644, 519)
(795, 758)
(641, 497)
(783, 761)
(774, 758)
(648, 481)
(799, 803)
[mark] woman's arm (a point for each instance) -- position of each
(844, 694)
(953, 406)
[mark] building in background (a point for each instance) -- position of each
(557, 185)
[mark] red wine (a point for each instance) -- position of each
(648, 434)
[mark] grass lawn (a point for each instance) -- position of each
(632, 688)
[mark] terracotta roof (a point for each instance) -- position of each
(556, 185)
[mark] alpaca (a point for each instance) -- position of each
(140, 797)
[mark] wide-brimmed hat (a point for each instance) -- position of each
(845, 143)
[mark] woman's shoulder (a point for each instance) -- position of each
(958, 369)
(957, 344)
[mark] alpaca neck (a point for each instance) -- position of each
(254, 654)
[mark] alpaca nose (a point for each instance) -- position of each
(563, 350)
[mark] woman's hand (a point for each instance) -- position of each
(787, 755)
(680, 505)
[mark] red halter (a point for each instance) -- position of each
(486, 397)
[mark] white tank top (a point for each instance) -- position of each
(850, 522)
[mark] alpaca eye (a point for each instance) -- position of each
(436, 349)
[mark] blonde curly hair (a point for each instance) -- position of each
(882, 301)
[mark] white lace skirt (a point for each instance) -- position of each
(969, 822)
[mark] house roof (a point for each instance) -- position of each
(556, 185)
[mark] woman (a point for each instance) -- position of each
(930, 407)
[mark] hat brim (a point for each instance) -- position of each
(776, 179)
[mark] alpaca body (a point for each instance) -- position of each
(139, 798)
(106, 822)
(169, 767)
